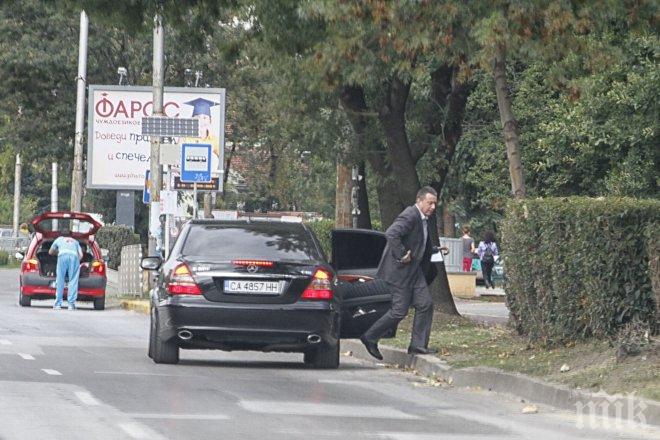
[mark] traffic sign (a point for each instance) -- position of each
(146, 193)
(196, 163)
(213, 185)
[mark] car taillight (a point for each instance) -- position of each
(182, 282)
(31, 265)
(97, 267)
(320, 287)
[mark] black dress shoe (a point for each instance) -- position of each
(372, 348)
(416, 350)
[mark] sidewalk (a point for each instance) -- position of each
(623, 409)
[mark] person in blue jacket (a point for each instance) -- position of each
(68, 253)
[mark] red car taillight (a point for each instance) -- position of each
(31, 265)
(259, 263)
(182, 282)
(97, 267)
(320, 287)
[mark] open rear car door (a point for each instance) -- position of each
(355, 257)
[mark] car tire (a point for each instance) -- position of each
(164, 352)
(24, 300)
(326, 356)
(152, 336)
(99, 303)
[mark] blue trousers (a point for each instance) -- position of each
(67, 264)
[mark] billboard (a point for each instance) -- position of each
(118, 155)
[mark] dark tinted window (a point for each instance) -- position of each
(270, 241)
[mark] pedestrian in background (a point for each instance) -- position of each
(68, 253)
(406, 267)
(487, 251)
(469, 250)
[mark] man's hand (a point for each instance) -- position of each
(406, 258)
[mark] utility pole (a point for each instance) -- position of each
(158, 80)
(77, 178)
(17, 193)
(54, 194)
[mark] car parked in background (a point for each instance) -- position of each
(37, 276)
(264, 285)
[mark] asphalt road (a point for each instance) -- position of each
(86, 375)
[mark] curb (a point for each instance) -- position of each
(586, 404)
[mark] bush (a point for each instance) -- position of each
(322, 229)
(580, 267)
(113, 238)
(4, 258)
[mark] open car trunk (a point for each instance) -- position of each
(356, 254)
(48, 263)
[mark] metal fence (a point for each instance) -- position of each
(453, 260)
(13, 244)
(130, 273)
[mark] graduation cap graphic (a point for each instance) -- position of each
(201, 106)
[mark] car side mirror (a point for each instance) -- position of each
(18, 256)
(151, 263)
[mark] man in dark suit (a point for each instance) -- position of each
(406, 267)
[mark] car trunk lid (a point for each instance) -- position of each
(51, 224)
(252, 281)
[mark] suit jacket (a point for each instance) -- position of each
(406, 233)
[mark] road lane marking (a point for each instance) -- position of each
(133, 430)
(178, 416)
(27, 357)
(87, 398)
(51, 372)
(5, 342)
(325, 409)
(129, 373)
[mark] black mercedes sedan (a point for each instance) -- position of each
(264, 285)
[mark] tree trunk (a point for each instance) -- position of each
(364, 218)
(445, 121)
(343, 197)
(449, 230)
(392, 117)
(225, 176)
(509, 125)
(443, 301)
(354, 103)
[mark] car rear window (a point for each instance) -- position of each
(250, 241)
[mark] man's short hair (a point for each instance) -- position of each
(65, 232)
(423, 191)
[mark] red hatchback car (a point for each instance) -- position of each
(38, 267)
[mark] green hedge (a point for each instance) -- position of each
(113, 238)
(4, 258)
(580, 267)
(322, 229)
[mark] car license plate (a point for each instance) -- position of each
(252, 286)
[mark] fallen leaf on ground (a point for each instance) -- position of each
(564, 368)
(348, 353)
(530, 409)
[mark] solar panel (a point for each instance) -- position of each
(164, 126)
